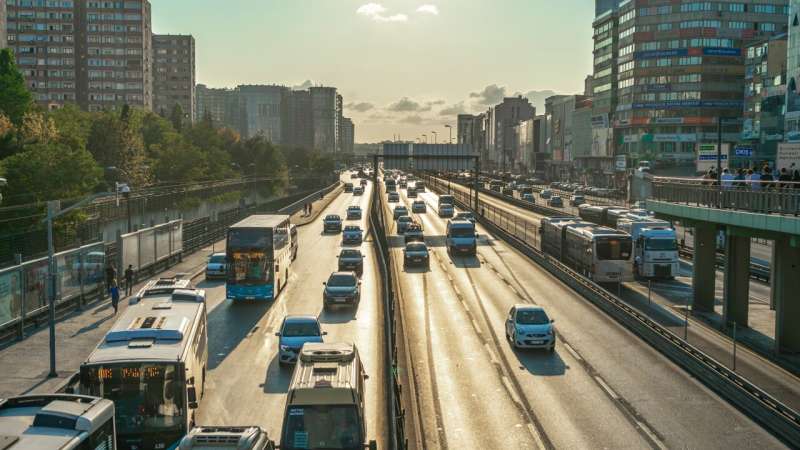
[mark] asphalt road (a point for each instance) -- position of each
(246, 385)
(602, 388)
(768, 376)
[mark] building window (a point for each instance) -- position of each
(766, 26)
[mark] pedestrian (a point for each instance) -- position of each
(767, 180)
(785, 178)
(129, 280)
(755, 179)
(739, 181)
(727, 179)
(111, 275)
(114, 291)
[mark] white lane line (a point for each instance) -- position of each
(607, 388)
(652, 435)
(511, 392)
(572, 351)
(536, 437)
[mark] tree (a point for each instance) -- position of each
(73, 125)
(176, 117)
(15, 99)
(50, 171)
(37, 128)
(177, 160)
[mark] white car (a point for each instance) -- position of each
(528, 326)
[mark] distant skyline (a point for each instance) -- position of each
(403, 67)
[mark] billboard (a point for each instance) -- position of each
(788, 154)
(707, 156)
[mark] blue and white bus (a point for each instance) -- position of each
(259, 250)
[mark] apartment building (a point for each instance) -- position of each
(174, 74)
(470, 129)
(97, 54)
(347, 135)
(261, 111)
(324, 117)
(219, 104)
(680, 67)
(502, 138)
(298, 126)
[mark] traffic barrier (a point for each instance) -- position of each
(765, 409)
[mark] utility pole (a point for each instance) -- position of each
(450, 127)
(435, 136)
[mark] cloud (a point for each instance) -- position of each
(428, 9)
(413, 119)
(435, 103)
(453, 110)
(490, 95)
(406, 105)
(304, 85)
(377, 12)
(360, 107)
(537, 98)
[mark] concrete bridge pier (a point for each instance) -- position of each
(736, 293)
(785, 293)
(704, 267)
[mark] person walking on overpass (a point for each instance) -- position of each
(114, 291)
(111, 275)
(129, 280)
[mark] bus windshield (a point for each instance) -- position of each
(609, 249)
(250, 256)
(322, 426)
(148, 397)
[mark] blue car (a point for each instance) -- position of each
(352, 234)
(294, 333)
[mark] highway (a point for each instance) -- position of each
(246, 385)
(768, 376)
(602, 388)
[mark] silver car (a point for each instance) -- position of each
(528, 326)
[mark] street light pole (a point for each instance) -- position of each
(450, 127)
(426, 138)
(435, 135)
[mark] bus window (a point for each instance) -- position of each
(611, 249)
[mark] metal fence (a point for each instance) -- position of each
(150, 246)
(766, 198)
(23, 287)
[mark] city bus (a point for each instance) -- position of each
(65, 422)
(152, 365)
(602, 254)
(259, 250)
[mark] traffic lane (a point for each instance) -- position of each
(454, 376)
(650, 386)
(249, 386)
(570, 405)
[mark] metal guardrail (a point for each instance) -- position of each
(781, 420)
(774, 197)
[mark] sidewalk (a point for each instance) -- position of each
(24, 365)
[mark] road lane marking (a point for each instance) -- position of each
(606, 387)
(571, 351)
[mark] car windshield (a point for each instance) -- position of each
(335, 427)
(354, 208)
(404, 219)
(462, 232)
(664, 245)
(341, 281)
(147, 397)
(416, 248)
(466, 216)
(332, 218)
(296, 329)
(349, 254)
(352, 228)
(532, 317)
(400, 209)
(217, 259)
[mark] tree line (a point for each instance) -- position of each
(69, 153)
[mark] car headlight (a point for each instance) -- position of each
(284, 348)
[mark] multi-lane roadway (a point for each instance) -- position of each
(602, 387)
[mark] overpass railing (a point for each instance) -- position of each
(773, 197)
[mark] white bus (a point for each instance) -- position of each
(259, 251)
(602, 254)
(152, 364)
(57, 421)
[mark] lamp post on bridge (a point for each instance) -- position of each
(450, 127)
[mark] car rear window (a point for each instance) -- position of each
(350, 254)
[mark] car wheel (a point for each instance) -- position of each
(514, 340)
(552, 348)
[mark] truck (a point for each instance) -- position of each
(461, 237)
(655, 247)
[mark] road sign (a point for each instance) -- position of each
(743, 151)
(707, 157)
(621, 163)
(788, 155)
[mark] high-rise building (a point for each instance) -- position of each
(261, 111)
(3, 25)
(470, 129)
(323, 117)
(96, 54)
(764, 99)
(792, 119)
(221, 105)
(299, 128)
(174, 73)
(604, 81)
(601, 6)
(347, 134)
(680, 69)
(339, 119)
(502, 138)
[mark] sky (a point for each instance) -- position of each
(404, 67)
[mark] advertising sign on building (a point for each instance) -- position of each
(788, 154)
(621, 163)
(707, 156)
(600, 137)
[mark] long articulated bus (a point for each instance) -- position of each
(259, 250)
(553, 231)
(602, 254)
(152, 365)
(57, 421)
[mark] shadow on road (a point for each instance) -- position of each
(340, 314)
(277, 378)
(540, 362)
(228, 324)
(465, 262)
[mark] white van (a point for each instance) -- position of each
(325, 402)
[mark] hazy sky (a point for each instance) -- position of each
(403, 66)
